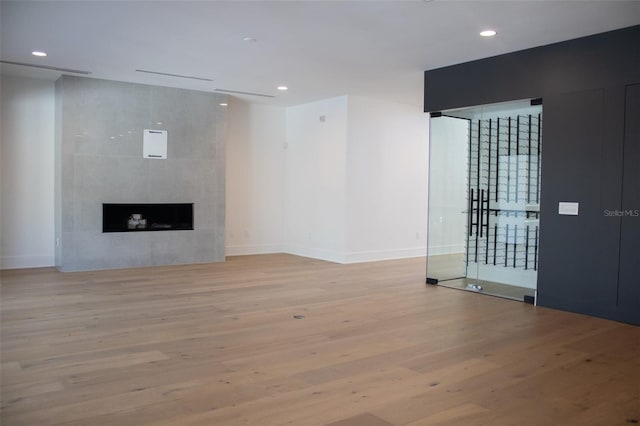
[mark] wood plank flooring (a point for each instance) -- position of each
(218, 344)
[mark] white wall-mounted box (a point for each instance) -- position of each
(154, 144)
(568, 208)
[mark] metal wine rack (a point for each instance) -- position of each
(504, 188)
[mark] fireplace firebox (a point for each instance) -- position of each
(147, 217)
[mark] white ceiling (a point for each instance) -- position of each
(320, 49)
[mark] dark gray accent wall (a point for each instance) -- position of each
(602, 60)
(629, 287)
(99, 160)
(588, 263)
(578, 267)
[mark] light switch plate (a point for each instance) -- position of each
(568, 208)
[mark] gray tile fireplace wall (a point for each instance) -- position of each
(99, 127)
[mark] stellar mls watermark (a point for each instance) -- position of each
(622, 213)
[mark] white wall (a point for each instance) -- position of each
(27, 160)
(315, 179)
(356, 180)
(255, 178)
(386, 180)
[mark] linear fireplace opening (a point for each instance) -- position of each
(147, 217)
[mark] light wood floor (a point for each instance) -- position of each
(218, 344)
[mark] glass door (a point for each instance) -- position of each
(448, 206)
(501, 166)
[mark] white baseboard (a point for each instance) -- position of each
(314, 253)
(378, 255)
(355, 257)
(21, 262)
(244, 250)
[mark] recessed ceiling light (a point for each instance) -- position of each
(283, 88)
(488, 33)
(222, 104)
(38, 53)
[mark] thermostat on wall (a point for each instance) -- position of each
(154, 144)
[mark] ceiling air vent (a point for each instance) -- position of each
(175, 75)
(46, 67)
(244, 93)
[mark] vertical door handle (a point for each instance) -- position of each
(470, 214)
(481, 211)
